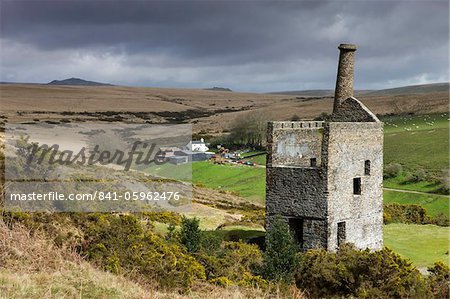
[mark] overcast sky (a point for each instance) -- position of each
(246, 46)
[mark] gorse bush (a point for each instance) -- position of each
(280, 258)
(411, 214)
(232, 263)
(397, 213)
(210, 242)
(121, 244)
(127, 245)
(359, 273)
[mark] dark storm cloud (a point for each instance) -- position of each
(247, 45)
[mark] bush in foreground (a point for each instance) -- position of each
(359, 273)
(121, 244)
(233, 263)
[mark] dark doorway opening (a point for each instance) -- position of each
(313, 162)
(296, 229)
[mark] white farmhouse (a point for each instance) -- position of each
(197, 146)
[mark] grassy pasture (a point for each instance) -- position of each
(259, 160)
(247, 181)
(422, 244)
(417, 141)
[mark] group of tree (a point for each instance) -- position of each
(250, 129)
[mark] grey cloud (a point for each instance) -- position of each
(258, 41)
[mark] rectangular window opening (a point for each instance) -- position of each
(341, 233)
(357, 186)
(296, 229)
(313, 162)
(367, 167)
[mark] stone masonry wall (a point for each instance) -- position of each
(294, 143)
(344, 81)
(352, 110)
(296, 192)
(348, 146)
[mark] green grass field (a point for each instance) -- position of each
(247, 181)
(422, 244)
(181, 172)
(259, 160)
(417, 141)
(401, 123)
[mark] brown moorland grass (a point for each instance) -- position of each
(215, 110)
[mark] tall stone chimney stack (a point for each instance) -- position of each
(344, 81)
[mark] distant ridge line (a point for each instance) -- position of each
(78, 82)
(410, 89)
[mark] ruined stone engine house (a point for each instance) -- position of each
(325, 177)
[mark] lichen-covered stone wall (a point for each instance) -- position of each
(294, 143)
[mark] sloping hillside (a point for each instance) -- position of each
(209, 111)
(414, 89)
